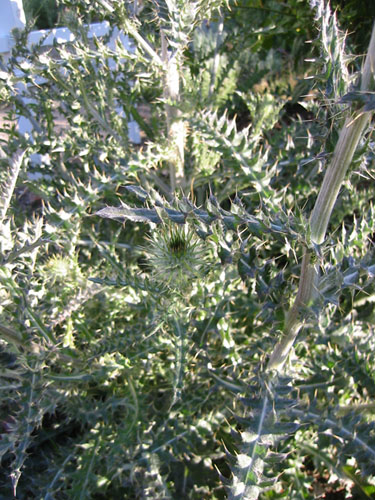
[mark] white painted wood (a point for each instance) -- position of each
(11, 16)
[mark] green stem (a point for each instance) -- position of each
(347, 144)
(349, 138)
(293, 321)
(91, 109)
(132, 30)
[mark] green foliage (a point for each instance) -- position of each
(44, 13)
(352, 14)
(137, 321)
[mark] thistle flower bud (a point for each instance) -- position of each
(176, 256)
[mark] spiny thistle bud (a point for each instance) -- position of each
(176, 255)
(62, 269)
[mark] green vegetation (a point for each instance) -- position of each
(190, 317)
(43, 13)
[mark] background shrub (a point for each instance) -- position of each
(44, 13)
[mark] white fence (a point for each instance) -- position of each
(12, 16)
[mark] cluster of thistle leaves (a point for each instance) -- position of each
(135, 322)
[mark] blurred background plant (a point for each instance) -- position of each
(129, 372)
(43, 13)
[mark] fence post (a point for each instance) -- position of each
(12, 16)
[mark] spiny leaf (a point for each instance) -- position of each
(10, 183)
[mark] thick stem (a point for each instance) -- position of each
(349, 138)
(216, 63)
(293, 322)
(175, 126)
(347, 144)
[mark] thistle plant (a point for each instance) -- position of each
(191, 316)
